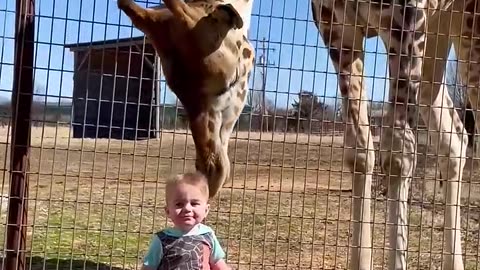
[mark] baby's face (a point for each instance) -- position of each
(186, 206)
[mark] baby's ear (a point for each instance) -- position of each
(228, 12)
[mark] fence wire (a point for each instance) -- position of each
(106, 132)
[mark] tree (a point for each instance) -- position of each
(308, 107)
(40, 93)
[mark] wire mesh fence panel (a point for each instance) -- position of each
(327, 96)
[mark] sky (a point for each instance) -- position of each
(298, 59)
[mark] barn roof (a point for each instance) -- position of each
(109, 43)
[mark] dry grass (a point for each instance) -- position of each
(287, 205)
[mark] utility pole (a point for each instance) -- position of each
(263, 63)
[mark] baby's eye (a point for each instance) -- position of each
(179, 205)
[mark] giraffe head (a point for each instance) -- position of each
(192, 41)
(206, 60)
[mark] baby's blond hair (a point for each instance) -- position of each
(196, 179)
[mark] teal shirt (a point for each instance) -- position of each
(155, 251)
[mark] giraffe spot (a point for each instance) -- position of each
(397, 100)
(405, 62)
(239, 44)
(409, 49)
(469, 22)
(344, 84)
(326, 14)
(402, 84)
(392, 51)
(417, 36)
(396, 33)
(470, 6)
(409, 13)
(329, 36)
(242, 85)
(335, 54)
(345, 63)
(246, 53)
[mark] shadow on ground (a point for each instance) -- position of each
(39, 263)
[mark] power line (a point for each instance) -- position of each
(264, 63)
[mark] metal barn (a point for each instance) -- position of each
(105, 103)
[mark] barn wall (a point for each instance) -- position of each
(106, 106)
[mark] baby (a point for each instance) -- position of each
(189, 244)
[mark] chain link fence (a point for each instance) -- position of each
(91, 130)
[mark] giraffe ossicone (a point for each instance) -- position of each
(207, 59)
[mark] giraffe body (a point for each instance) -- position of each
(416, 64)
(207, 60)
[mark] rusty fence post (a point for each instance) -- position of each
(22, 96)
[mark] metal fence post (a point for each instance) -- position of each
(22, 96)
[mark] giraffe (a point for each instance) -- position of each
(423, 32)
(207, 60)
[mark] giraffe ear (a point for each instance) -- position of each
(228, 12)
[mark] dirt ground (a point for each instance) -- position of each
(95, 203)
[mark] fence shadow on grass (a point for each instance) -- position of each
(40, 263)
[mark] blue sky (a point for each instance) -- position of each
(300, 57)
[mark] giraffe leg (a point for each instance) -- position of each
(345, 46)
(398, 146)
(447, 133)
(469, 67)
(140, 17)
